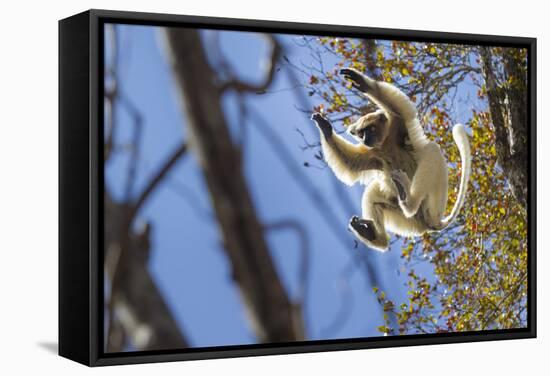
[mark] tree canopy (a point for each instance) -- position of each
(480, 262)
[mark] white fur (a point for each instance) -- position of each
(461, 139)
(340, 154)
(426, 192)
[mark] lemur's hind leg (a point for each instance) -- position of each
(429, 185)
(402, 184)
(370, 228)
(410, 195)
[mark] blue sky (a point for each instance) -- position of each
(188, 261)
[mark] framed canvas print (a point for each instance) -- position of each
(238, 187)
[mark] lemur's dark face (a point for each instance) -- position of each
(370, 130)
(370, 136)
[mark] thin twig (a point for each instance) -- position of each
(240, 86)
(136, 143)
(314, 195)
(305, 261)
(157, 178)
(346, 306)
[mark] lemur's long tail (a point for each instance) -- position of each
(461, 139)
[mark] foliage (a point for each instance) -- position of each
(480, 263)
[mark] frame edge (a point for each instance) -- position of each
(74, 251)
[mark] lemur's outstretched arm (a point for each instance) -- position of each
(348, 161)
(390, 99)
(386, 96)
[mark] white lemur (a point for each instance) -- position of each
(405, 173)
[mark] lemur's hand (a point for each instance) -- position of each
(357, 79)
(323, 124)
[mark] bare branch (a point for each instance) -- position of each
(346, 302)
(314, 195)
(303, 271)
(305, 262)
(136, 143)
(241, 86)
(111, 92)
(136, 306)
(136, 309)
(272, 315)
(158, 177)
(192, 198)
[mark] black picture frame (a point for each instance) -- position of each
(81, 177)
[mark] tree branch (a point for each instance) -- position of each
(508, 109)
(305, 262)
(136, 306)
(305, 249)
(272, 315)
(157, 178)
(241, 86)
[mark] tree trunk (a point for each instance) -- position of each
(273, 316)
(508, 109)
(138, 310)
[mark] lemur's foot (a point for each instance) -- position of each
(357, 79)
(363, 227)
(402, 183)
(323, 124)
